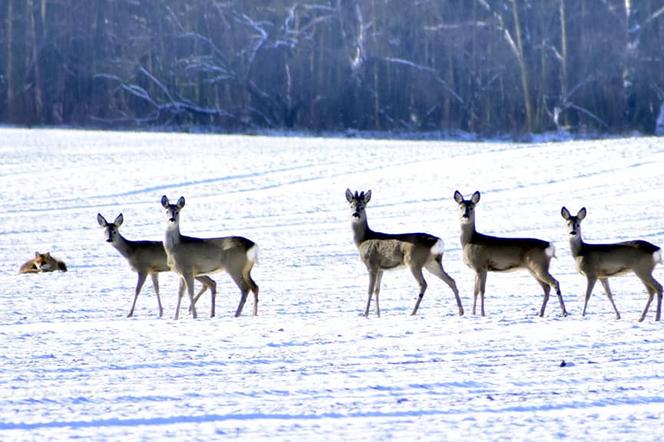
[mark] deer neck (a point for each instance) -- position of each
(576, 244)
(467, 232)
(123, 246)
(361, 231)
(172, 237)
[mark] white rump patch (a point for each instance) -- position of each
(657, 256)
(252, 254)
(550, 251)
(438, 248)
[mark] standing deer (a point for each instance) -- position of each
(146, 258)
(190, 257)
(484, 253)
(384, 251)
(601, 261)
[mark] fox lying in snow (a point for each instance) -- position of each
(43, 262)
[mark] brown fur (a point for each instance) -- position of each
(601, 261)
(484, 253)
(384, 251)
(43, 262)
(192, 257)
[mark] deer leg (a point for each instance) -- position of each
(476, 291)
(607, 290)
(254, 289)
(653, 287)
(545, 278)
(379, 278)
(205, 281)
(553, 283)
(180, 294)
(212, 285)
(208, 283)
(189, 283)
(417, 273)
(589, 290)
(372, 283)
(658, 288)
(436, 268)
(547, 291)
(651, 296)
(139, 286)
(244, 290)
(155, 285)
(560, 299)
(482, 287)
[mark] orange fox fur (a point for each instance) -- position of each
(43, 262)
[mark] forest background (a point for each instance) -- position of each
(447, 66)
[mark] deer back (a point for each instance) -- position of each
(504, 254)
(147, 256)
(389, 251)
(208, 255)
(606, 260)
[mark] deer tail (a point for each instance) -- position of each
(252, 254)
(551, 251)
(438, 248)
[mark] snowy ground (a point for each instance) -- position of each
(309, 366)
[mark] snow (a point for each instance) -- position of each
(309, 366)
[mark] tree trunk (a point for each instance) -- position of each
(34, 42)
(522, 68)
(632, 31)
(563, 67)
(9, 78)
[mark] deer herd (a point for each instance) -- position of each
(193, 259)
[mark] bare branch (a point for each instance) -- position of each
(159, 84)
(139, 92)
(425, 69)
(260, 36)
(588, 113)
(206, 40)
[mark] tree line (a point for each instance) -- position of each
(480, 66)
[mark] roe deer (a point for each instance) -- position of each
(484, 253)
(383, 251)
(146, 258)
(601, 261)
(190, 257)
(43, 262)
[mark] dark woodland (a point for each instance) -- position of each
(485, 67)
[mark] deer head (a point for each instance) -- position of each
(358, 201)
(467, 207)
(573, 222)
(110, 229)
(172, 210)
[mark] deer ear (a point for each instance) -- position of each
(101, 220)
(458, 197)
(367, 196)
(349, 195)
(164, 201)
(565, 213)
(118, 220)
(475, 198)
(180, 202)
(582, 213)
(36, 254)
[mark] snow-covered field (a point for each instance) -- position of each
(309, 366)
